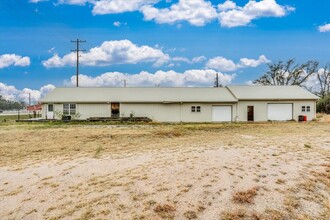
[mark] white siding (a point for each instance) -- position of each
(171, 112)
(93, 110)
(260, 109)
(156, 112)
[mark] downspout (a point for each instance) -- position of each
(315, 109)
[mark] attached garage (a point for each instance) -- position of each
(222, 113)
(179, 104)
(280, 111)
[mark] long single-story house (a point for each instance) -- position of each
(222, 104)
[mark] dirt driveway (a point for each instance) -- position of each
(192, 171)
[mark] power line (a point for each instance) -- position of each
(77, 51)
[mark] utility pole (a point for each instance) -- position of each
(216, 82)
(77, 50)
(124, 82)
(29, 99)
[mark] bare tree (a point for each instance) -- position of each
(288, 73)
(323, 77)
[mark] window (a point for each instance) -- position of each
(303, 108)
(195, 109)
(69, 109)
(308, 108)
(50, 108)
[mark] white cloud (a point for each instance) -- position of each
(112, 52)
(226, 65)
(161, 78)
(116, 23)
(13, 59)
(46, 89)
(221, 64)
(324, 28)
(74, 2)
(11, 93)
(118, 6)
(36, 1)
(233, 16)
(227, 5)
(186, 60)
(196, 12)
(245, 62)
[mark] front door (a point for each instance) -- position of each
(50, 111)
(115, 110)
(250, 113)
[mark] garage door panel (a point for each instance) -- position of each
(280, 112)
(221, 113)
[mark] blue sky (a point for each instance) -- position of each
(154, 42)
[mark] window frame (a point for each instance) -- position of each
(196, 108)
(69, 109)
(303, 108)
(308, 108)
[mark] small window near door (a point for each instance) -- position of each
(50, 108)
(303, 108)
(196, 109)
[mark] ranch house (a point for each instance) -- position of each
(190, 104)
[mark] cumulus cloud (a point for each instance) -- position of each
(11, 93)
(226, 65)
(196, 12)
(118, 6)
(101, 7)
(159, 78)
(110, 53)
(245, 62)
(324, 28)
(233, 16)
(186, 60)
(221, 64)
(13, 59)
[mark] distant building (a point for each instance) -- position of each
(227, 104)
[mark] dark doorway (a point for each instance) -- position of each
(250, 113)
(115, 110)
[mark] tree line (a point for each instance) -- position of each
(309, 75)
(10, 105)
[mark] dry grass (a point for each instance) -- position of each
(190, 214)
(186, 171)
(237, 214)
(165, 211)
(245, 196)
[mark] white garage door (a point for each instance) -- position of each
(279, 112)
(221, 113)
